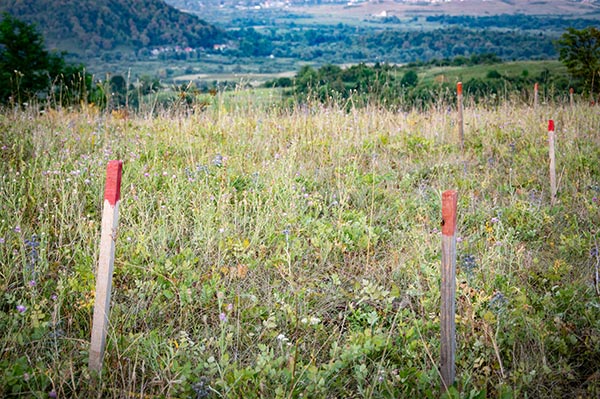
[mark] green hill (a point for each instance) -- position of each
(86, 25)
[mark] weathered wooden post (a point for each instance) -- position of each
(448, 289)
(459, 106)
(571, 100)
(551, 139)
(106, 259)
(536, 88)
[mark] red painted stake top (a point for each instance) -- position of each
(536, 86)
(571, 91)
(112, 190)
(459, 88)
(550, 125)
(449, 200)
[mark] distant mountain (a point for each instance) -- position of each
(89, 25)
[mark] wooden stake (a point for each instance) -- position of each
(448, 289)
(108, 237)
(459, 106)
(571, 100)
(551, 138)
(536, 88)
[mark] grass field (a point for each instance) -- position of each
(269, 252)
(507, 69)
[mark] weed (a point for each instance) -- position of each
(295, 252)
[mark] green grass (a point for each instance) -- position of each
(265, 252)
(507, 69)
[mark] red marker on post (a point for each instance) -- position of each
(571, 100)
(106, 260)
(551, 139)
(448, 290)
(536, 88)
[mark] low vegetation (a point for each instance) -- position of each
(265, 252)
(421, 85)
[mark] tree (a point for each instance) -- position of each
(410, 79)
(580, 52)
(23, 59)
(27, 69)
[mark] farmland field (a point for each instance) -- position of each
(265, 251)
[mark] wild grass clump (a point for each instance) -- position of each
(272, 253)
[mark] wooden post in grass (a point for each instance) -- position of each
(448, 289)
(571, 100)
(106, 259)
(459, 106)
(536, 89)
(552, 161)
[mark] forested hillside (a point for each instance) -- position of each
(86, 24)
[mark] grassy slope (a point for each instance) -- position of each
(272, 253)
(508, 69)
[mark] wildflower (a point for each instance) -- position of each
(2, 240)
(202, 388)
(32, 283)
(498, 302)
(495, 220)
(54, 297)
(52, 394)
(146, 174)
(21, 308)
(222, 317)
(313, 321)
(468, 263)
(32, 244)
(282, 338)
(217, 160)
(230, 307)
(17, 229)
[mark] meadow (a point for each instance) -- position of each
(276, 252)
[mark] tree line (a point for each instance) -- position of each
(401, 87)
